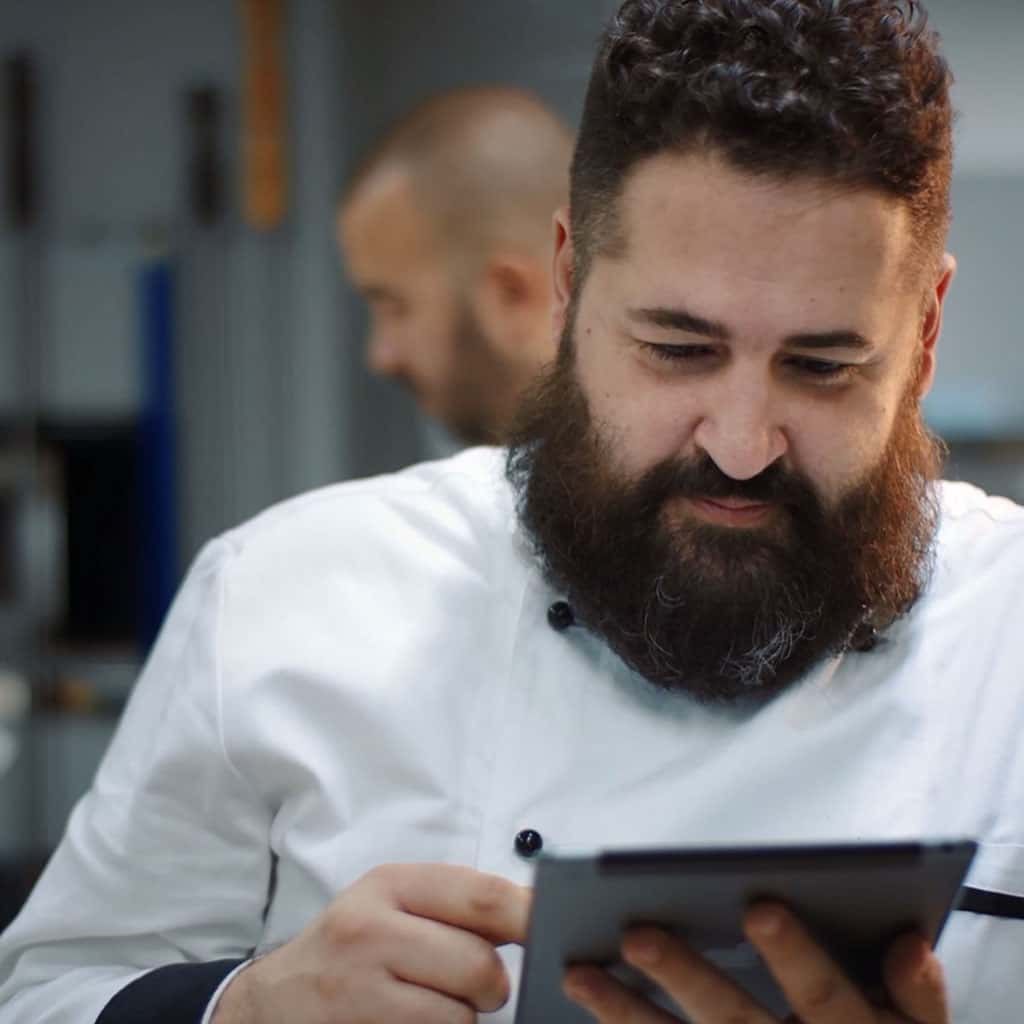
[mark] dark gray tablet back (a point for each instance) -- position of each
(855, 898)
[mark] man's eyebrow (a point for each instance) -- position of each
(830, 339)
(689, 323)
(680, 320)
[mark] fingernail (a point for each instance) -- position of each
(577, 986)
(764, 922)
(644, 949)
(918, 957)
(913, 957)
(924, 968)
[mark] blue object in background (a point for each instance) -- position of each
(157, 449)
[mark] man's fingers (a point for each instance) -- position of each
(449, 959)
(915, 980)
(818, 992)
(702, 992)
(409, 1002)
(608, 1000)
(488, 905)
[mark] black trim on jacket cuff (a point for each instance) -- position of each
(175, 994)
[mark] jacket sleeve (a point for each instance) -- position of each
(166, 860)
(175, 994)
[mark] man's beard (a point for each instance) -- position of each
(723, 614)
(476, 383)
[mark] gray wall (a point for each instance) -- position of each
(978, 388)
(981, 364)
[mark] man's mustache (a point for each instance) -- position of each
(699, 477)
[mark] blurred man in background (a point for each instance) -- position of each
(446, 231)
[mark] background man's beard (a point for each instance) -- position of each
(475, 391)
(721, 613)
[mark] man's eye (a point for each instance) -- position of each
(822, 369)
(388, 309)
(679, 353)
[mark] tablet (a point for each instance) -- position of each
(855, 898)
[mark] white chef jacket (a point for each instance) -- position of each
(366, 674)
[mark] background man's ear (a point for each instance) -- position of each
(511, 294)
(516, 282)
(931, 327)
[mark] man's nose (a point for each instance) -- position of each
(741, 433)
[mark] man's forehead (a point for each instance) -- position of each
(382, 229)
(687, 218)
(713, 193)
(386, 185)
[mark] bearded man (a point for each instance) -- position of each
(713, 593)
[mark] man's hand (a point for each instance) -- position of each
(407, 942)
(817, 990)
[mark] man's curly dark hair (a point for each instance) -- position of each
(854, 92)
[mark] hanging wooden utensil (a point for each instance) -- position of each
(263, 114)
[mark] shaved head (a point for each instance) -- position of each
(490, 165)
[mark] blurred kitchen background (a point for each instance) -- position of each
(178, 349)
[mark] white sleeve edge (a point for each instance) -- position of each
(215, 998)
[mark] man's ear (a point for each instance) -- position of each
(562, 273)
(511, 294)
(931, 324)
